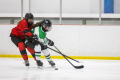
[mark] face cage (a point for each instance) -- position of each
(49, 29)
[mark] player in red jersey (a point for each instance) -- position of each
(22, 30)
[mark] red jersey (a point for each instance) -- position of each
(22, 30)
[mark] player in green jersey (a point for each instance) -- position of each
(40, 31)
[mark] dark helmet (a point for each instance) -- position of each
(46, 23)
(29, 16)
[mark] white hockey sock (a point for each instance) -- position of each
(37, 55)
(37, 52)
(46, 54)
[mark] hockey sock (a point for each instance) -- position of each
(22, 50)
(32, 51)
(37, 52)
(46, 54)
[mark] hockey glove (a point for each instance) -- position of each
(33, 39)
(50, 43)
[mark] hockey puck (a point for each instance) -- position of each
(56, 68)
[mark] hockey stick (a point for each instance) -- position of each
(77, 67)
(64, 55)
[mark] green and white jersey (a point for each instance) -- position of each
(41, 34)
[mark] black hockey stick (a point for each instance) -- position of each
(63, 54)
(77, 67)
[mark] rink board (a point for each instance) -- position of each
(77, 41)
(61, 57)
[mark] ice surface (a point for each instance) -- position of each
(14, 69)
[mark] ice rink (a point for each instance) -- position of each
(14, 69)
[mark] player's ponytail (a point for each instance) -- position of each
(21, 20)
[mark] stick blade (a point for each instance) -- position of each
(79, 67)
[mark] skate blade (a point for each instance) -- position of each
(40, 67)
(54, 66)
(27, 67)
(81, 62)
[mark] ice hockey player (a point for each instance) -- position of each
(22, 30)
(40, 31)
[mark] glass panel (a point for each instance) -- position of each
(111, 12)
(80, 12)
(9, 9)
(46, 9)
(10, 6)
